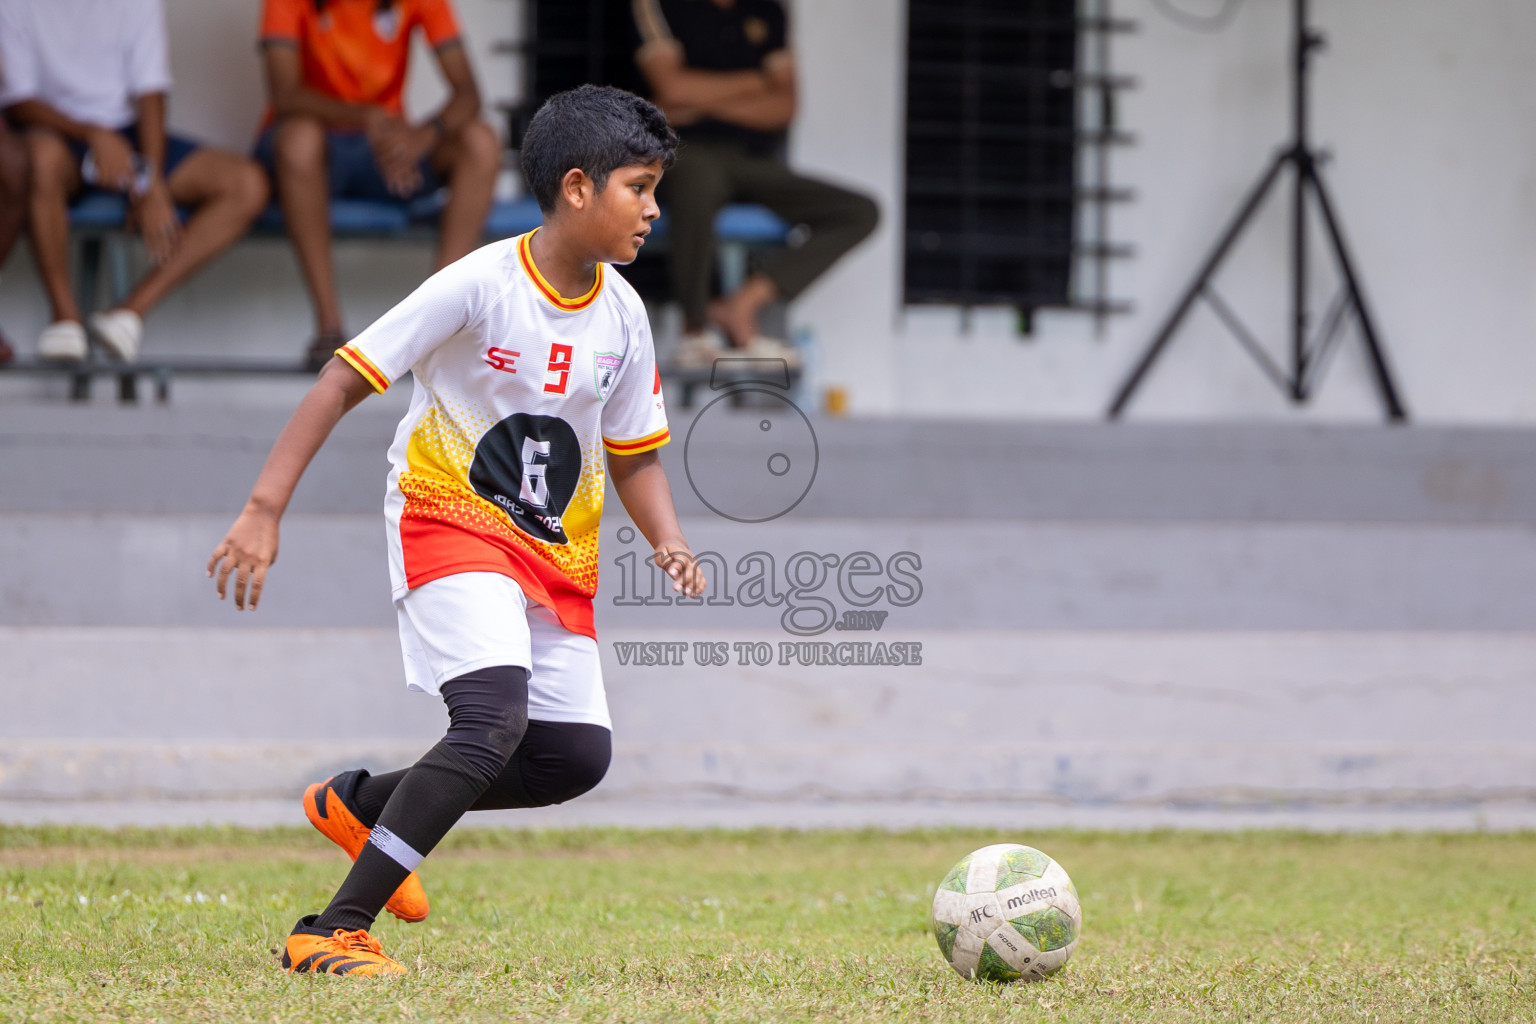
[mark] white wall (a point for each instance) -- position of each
(1428, 107)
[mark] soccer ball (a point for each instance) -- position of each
(1006, 913)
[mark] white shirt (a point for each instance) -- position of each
(498, 466)
(88, 59)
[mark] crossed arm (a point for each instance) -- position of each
(762, 99)
(398, 146)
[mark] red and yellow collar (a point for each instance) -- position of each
(525, 254)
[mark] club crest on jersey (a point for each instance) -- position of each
(605, 370)
(386, 23)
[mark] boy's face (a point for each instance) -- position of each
(622, 212)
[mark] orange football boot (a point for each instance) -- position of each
(312, 950)
(325, 805)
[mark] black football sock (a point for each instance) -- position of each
(488, 714)
(372, 793)
(488, 711)
(434, 794)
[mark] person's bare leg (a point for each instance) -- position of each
(470, 162)
(15, 184)
(54, 179)
(303, 190)
(736, 313)
(227, 193)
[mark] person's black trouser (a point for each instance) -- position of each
(708, 175)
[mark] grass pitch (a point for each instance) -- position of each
(612, 925)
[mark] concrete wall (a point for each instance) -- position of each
(1427, 105)
(1232, 625)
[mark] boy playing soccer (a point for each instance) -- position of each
(493, 507)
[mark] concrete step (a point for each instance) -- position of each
(1235, 720)
(196, 459)
(97, 569)
(1117, 625)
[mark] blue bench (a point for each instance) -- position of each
(98, 219)
(97, 224)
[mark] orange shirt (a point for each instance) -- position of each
(351, 50)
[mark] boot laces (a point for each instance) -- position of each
(358, 940)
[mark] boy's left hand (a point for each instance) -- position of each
(155, 213)
(680, 564)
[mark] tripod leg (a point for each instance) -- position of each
(1202, 278)
(1384, 384)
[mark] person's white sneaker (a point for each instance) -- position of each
(771, 348)
(121, 331)
(697, 351)
(63, 340)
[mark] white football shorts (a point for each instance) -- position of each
(473, 620)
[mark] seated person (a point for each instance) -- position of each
(335, 72)
(13, 205)
(723, 73)
(86, 81)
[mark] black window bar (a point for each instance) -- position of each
(1011, 116)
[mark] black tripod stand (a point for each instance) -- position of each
(1308, 355)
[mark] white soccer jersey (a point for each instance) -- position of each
(498, 465)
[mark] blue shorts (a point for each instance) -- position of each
(351, 168)
(177, 149)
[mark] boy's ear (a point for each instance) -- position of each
(576, 188)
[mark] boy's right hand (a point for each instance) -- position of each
(247, 552)
(114, 159)
(397, 149)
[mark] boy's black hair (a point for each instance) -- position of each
(596, 128)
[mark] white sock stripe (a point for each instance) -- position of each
(396, 848)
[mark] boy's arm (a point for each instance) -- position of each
(463, 104)
(153, 208)
(290, 96)
(250, 547)
(642, 487)
(401, 147)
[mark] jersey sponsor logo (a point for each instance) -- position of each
(529, 466)
(502, 359)
(605, 370)
(558, 373)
